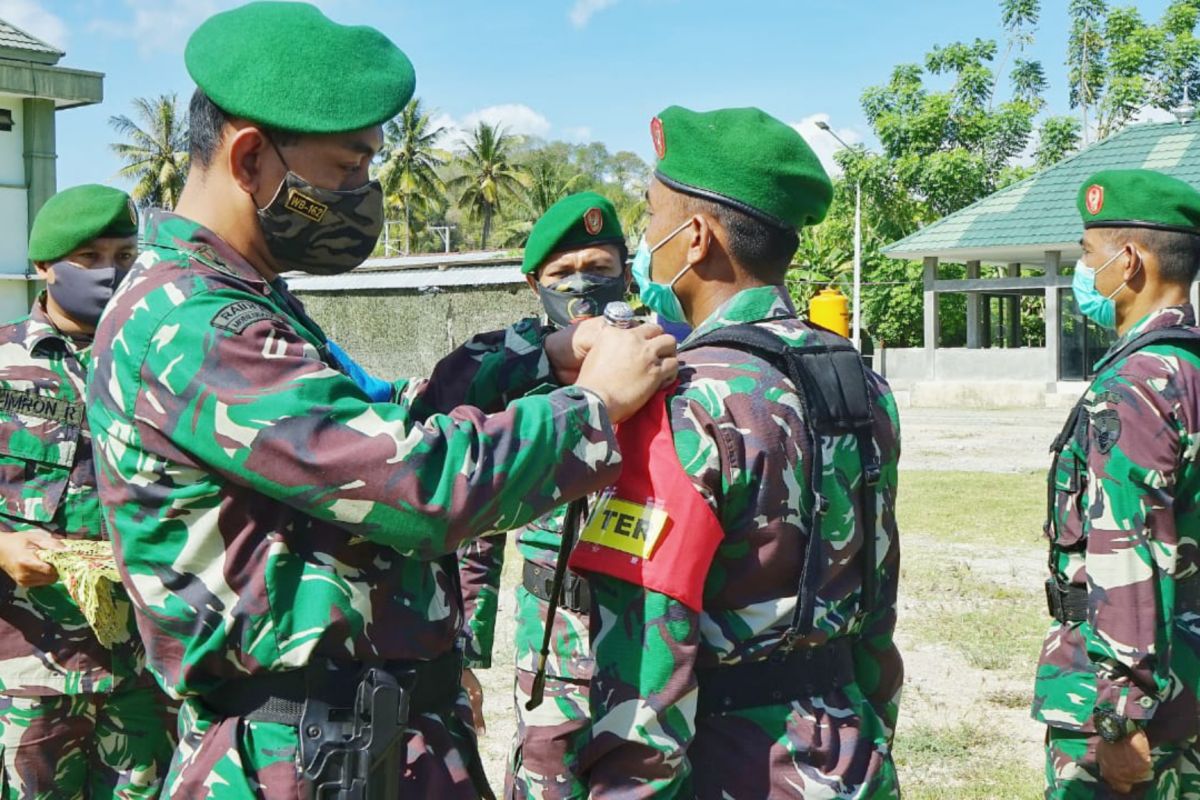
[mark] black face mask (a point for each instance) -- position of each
(579, 296)
(321, 231)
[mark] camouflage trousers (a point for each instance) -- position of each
(96, 746)
(832, 747)
(230, 758)
(1073, 774)
(545, 757)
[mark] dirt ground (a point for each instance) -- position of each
(941, 686)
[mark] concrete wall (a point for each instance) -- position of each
(404, 333)
(960, 363)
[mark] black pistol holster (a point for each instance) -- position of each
(355, 753)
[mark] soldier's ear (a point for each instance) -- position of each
(532, 280)
(253, 163)
(42, 268)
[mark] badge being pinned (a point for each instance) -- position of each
(593, 221)
(1094, 200)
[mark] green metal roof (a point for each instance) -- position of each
(16, 43)
(1022, 221)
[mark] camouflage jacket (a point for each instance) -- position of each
(480, 564)
(48, 482)
(264, 512)
(1125, 525)
(743, 443)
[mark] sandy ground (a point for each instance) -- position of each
(941, 687)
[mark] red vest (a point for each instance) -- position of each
(652, 528)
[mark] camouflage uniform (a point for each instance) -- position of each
(1125, 525)
(544, 760)
(266, 514)
(76, 718)
(741, 440)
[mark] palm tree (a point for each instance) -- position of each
(549, 182)
(488, 176)
(155, 152)
(410, 163)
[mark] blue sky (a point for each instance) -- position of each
(581, 70)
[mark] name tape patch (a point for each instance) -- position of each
(238, 316)
(305, 206)
(629, 527)
(30, 404)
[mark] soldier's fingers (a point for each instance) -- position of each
(40, 540)
(664, 345)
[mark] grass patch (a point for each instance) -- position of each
(1011, 698)
(960, 763)
(973, 507)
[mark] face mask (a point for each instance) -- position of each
(659, 297)
(321, 231)
(578, 296)
(1099, 308)
(83, 293)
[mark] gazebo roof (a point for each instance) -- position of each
(16, 43)
(1021, 222)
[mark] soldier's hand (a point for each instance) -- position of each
(18, 557)
(567, 348)
(475, 695)
(1124, 763)
(626, 366)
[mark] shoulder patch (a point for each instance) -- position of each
(1106, 429)
(238, 316)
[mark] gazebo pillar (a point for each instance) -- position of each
(1194, 295)
(974, 303)
(1013, 317)
(1053, 315)
(932, 323)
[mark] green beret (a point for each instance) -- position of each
(288, 66)
(76, 216)
(578, 220)
(744, 158)
(1139, 198)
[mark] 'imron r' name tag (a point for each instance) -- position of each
(31, 404)
(305, 206)
(629, 527)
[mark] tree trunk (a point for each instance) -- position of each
(407, 227)
(487, 225)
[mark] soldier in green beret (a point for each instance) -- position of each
(743, 568)
(80, 715)
(575, 262)
(288, 540)
(1118, 681)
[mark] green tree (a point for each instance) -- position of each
(1058, 137)
(411, 159)
(488, 176)
(155, 151)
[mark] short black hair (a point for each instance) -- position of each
(760, 247)
(1177, 252)
(206, 128)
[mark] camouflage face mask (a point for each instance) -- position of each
(321, 231)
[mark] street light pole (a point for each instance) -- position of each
(856, 322)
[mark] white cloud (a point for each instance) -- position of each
(583, 10)
(515, 118)
(822, 143)
(30, 17)
(165, 25)
(581, 134)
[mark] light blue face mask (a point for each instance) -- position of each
(659, 297)
(1099, 308)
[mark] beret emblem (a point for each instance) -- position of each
(593, 221)
(660, 138)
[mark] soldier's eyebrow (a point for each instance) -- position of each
(361, 148)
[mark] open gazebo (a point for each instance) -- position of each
(1027, 237)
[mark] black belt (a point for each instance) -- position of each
(803, 672)
(280, 696)
(575, 594)
(1069, 603)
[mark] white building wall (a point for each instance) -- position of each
(14, 211)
